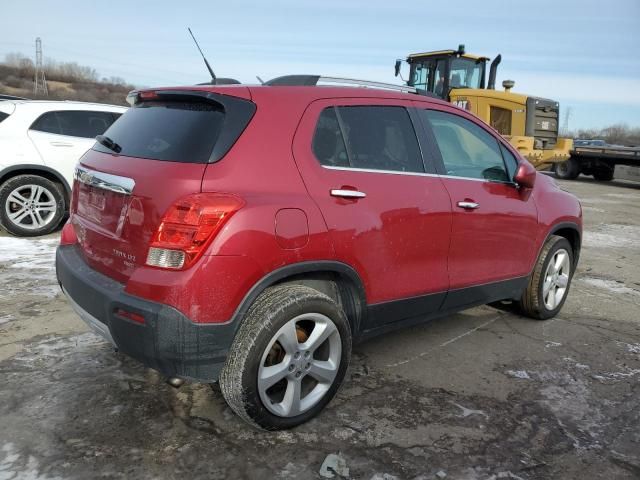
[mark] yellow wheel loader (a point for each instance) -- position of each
(529, 123)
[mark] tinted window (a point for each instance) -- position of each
(510, 161)
(328, 144)
(467, 149)
(48, 122)
(172, 131)
(86, 124)
(381, 138)
(3, 116)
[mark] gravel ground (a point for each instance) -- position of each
(483, 394)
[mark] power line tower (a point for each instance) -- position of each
(40, 83)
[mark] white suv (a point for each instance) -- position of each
(40, 143)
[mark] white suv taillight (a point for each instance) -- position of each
(188, 227)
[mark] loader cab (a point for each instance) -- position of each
(437, 73)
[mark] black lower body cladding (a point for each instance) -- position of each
(167, 341)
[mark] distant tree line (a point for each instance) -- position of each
(620, 134)
(65, 80)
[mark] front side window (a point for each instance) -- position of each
(367, 137)
(467, 149)
(510, 161)
(74, 123)
(420, 75)
(465, 73)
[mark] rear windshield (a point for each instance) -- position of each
(167, 130)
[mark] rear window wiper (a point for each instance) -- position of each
(110, 144)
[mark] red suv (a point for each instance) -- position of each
(250, 234)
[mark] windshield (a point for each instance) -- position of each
(465, 73)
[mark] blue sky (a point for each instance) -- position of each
(583, 53)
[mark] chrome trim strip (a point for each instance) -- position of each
(92, 322)
(373, 170)
(416, 174)
(105, 181)
(347, 193)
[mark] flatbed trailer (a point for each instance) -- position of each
(599, 161)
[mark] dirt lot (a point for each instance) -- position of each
(480, 395)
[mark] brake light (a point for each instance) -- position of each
(68, 235)
(188, 227)
(148, 95)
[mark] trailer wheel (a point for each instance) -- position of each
(567, 170)
(603, 174)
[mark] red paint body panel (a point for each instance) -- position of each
(397, 238)
(406, 238)
(497, 241)
(115, 238)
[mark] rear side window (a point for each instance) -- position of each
(167, 130)
(76, 123)
(3, 116)
(467, 150)
(328, 144)
(375, 137)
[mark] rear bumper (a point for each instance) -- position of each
(167, 341)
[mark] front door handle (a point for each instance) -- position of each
(468, 205)
(61, 144)
(347, 193)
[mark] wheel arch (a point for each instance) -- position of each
(35, 169)
(335, 279)
(572, 233)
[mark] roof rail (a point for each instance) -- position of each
(313, 80)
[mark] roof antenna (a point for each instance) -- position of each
(213, 75)
(260, 80)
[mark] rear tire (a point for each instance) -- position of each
(549, 283)
(567, 170)
(603, 174)
(277, 376)
(31, 205)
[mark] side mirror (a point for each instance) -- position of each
(525, 175)
(398, 65)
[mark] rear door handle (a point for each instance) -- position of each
(468, 205)
(347, 193)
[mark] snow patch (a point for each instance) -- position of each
(14, 466)
(519, 374)
(631, 347)
(25, 253)
(613, 235)
(610, 285)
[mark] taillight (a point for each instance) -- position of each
(188, 227)
(68, 235)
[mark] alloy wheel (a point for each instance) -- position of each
(31, 206)
(299, 364)
(556, 279)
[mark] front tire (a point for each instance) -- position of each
(31, 205)
(549, 284)
(288, 358)
(567, 170)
